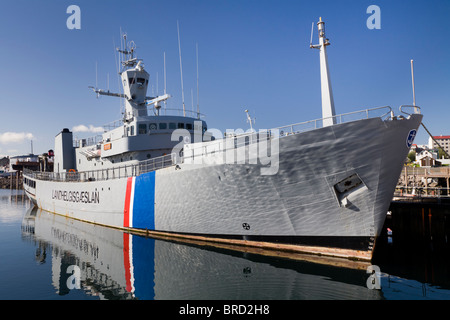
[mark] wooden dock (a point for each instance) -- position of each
(424, 181)
(11, 182)
(420, 208)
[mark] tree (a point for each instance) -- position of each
(441, 154)
(412, 156)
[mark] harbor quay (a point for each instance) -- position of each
(423, 182)
(419, 220)
(420, 207)
(11, 182)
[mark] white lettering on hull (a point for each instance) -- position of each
(76, 196)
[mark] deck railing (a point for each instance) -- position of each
(174, 112)
(171, 160)
(422, 192)
(125, 171)
(378, 112)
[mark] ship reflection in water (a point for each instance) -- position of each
(111, 264)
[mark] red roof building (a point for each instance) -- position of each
(444, 142)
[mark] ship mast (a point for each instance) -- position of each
(135, 82)
(328, 112)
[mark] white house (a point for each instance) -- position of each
(425, 158)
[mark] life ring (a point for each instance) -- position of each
(72, 170)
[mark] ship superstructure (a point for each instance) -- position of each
(144, 132)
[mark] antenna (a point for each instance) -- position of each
(117, 60)
(192, 97)
(413, 85)
(181, 69)
(249, 120)
(198, 104)
(96, 78)
(122, 36)
(312, 30)
(165, 83)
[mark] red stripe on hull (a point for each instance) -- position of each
(126, 260)
(126, 209)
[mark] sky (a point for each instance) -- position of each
(252, 54)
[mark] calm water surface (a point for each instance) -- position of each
(48, 257)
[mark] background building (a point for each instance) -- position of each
(444, 141)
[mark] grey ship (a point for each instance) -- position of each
(319, 187)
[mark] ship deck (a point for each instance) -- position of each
(157, 163)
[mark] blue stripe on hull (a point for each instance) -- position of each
(144, 268)
(144, 201)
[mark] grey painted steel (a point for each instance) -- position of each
(300, 200)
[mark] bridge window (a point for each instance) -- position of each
(163, 126)
(189, 126)
(142, 128)
(138, 80)
(180, 125)
(172, 125)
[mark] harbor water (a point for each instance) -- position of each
(50, 257)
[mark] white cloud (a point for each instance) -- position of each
(83, 128)
(15, 137)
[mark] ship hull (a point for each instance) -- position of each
(301, 207)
